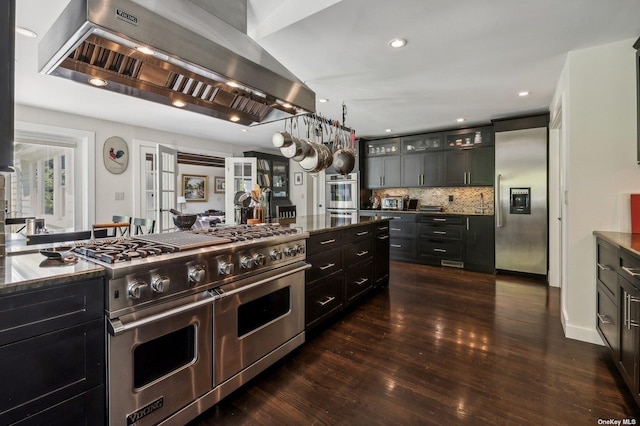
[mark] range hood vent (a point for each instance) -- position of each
(199, 61)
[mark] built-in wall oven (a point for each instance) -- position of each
(342, 192)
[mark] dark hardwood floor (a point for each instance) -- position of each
(439, 346)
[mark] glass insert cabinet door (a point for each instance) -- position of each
(240, 176)
(280, 186)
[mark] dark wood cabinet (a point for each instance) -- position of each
(629, 348)
(479, 252)
(422, 170)
(471, 167)
(273, 173)
(342, 268)
(441, 240)
(53, 355)
(382, 172)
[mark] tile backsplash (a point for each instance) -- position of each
(465, 199)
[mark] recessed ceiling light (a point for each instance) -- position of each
(26, 32)
(97, 82)
(524, 93)
(234, 118)
(387, 130)
(287, 105)
(245, 130)
(232, 84)
(460, 120)
(398, 42)
(323, 101)
(145, 50)
(179, 103)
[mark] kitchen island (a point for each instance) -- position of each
(349, 259)
(51, 340)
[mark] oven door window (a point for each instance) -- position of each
(341, 192)
(161, 356)
(253, 315)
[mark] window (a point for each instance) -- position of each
(54, 176)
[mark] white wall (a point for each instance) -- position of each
(108, 184)
(598, 86)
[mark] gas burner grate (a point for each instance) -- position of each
(120, 249)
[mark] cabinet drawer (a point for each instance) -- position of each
(629, 268)
(404, 246)
(607, 265)
(359, 281)
(359, 252)
(381, 228)
(29, 313)
(324, 264)
(442, 220)
(358, 233)
(402, 228)
(440, 232)
(440, 249)
(323, 300)
(607, 319)
(324, 241)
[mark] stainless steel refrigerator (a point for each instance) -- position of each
(521, 197)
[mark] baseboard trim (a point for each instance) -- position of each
(589, 335)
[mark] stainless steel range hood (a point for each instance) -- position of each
(199, 61)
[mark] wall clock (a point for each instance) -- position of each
(115, 155)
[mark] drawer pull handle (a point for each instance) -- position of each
(327, 266)
(397, 217)
(362, 253)
(439, 250)
(396, 245)
(396, 229)
(631, 272)
(604, 267)
(383, 237)
(439, 219)
(603, 318)
(327, 300)
(383, 228)
(360, 234)
(440, 232)
(328, 241)
(362, 281)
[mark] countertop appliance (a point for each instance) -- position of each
(212, 308)
(394, 203)
(521, 195)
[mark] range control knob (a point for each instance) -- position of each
(258, 259)
(225, 268)
(197, 273)
(136, 288)
(276, 254)
(246, 262)
(160, 283)
(289, 251)
(299, 248)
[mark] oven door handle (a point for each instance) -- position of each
(223, 293)
(117, 327)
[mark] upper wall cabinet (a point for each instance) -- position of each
(469, 138)
(422, 160)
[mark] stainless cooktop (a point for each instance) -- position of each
(183, 240)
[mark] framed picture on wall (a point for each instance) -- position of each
(297, 178)
(194, 187)
(219, 185)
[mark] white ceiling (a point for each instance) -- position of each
(464, 58)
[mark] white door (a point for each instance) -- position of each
(166, 182)
(240, 176)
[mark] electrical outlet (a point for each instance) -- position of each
(451, 198)
(119, 196)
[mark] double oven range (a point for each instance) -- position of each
(191, 316)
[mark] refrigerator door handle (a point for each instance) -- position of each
(499, 202)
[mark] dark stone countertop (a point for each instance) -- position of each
(32, 271)
(316, 224)
(392, 212)
(625, 240)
